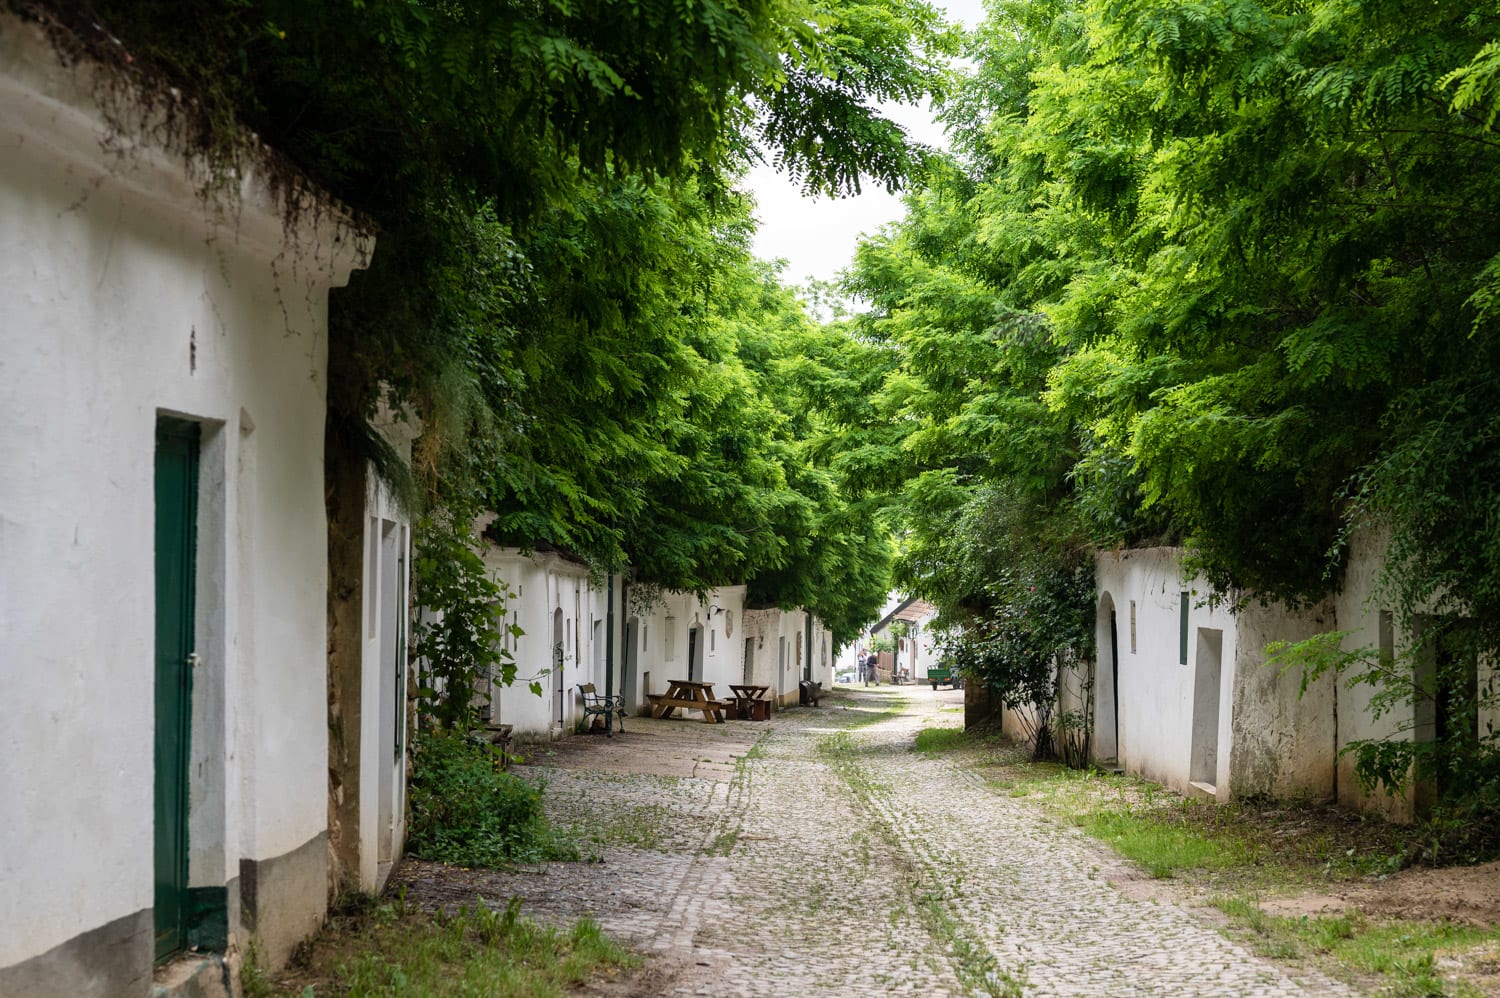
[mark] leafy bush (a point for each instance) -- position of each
(458, 639)
(1040, 626)
(466, 811)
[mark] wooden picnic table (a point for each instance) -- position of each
(689, 696)
(752, 701)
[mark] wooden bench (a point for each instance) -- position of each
(712, 710)
(599, 705)
(499, 736)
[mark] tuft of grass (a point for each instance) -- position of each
(1164, 849)
(934, 740)
(723, 844)
(394, 952)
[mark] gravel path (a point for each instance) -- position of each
(827, 858)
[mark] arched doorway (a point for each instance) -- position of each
(1107, 682)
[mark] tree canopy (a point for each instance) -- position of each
(561, 289)
(1219, 273)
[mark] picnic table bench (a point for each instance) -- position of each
(751, 702)
(689, 696)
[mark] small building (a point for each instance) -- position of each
(914, 640)
(562, 643)
(164, 596)
(785, 647)
(1184, 694)
(368, 649)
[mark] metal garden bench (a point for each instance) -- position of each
(600, 705)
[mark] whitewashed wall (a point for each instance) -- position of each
(384, 667)
(126, 299)
(1161, 698)
(651, 645)
(658, 636)
(1272, 736)
(553, 604)
(779, 637)
(822, 654)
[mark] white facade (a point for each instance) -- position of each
(920, 648)
(1208, 713)
(386, 581)
(563, 643)
(780, 657)
(129, 301)
(660, 636)
(1160, 712)
(680, 636)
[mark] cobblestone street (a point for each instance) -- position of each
(819, 855)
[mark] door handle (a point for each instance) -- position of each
(194, 660)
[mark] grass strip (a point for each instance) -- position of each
(1404, 953)
(390, 950)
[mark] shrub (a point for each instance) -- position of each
(466, 811)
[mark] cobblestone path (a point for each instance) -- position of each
(819, 855)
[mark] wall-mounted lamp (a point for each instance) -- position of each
(715, 608)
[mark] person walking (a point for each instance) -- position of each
(870, 674)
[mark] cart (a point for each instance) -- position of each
(942, 675)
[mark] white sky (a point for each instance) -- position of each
(816, 236)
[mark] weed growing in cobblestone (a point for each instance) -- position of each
(642, 827)
(723, 843)
(972, 963)
(935, 740)
(975, 966)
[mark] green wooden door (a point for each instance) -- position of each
(176, 552)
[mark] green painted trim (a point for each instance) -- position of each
(1182, 644)
(208, 918)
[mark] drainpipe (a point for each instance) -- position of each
(609, 649)
(807, 649)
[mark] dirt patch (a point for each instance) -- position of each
(656, 747)
(1467, 894)
(661, 975)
